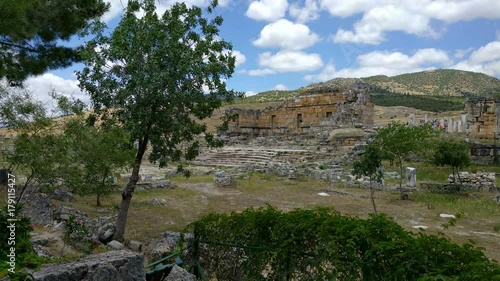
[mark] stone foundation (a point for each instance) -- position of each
(478, 181)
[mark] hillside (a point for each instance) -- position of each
(441, 83)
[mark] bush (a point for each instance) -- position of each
(320, 244)
(25, 256)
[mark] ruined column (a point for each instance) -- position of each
(463, 117)
(451, 125)
(426, 118)
(411, 177)
(412, 119)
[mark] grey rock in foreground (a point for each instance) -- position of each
(109, 266)
(180, 274)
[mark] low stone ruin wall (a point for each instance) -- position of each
(478, 181)
(110, 266)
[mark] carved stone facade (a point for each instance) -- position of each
(482, 117)
(312, 112)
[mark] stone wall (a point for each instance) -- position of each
(312, 112)
(478, 181)
(109, 266)
(482, 114)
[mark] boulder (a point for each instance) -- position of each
(135, 246)
(105, 233)
(180, 274)
(157, 202)
(63, 195)
(222, 179)
(108, 266)
(115, 245)
(38, 209)
(63, 213)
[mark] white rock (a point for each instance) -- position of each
(115, 245)
(420, 226)
(447, 216)
(323, 194)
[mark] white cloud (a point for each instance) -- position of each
(412, 17)
(309, 12)
(250, 93)
(240, 58)
(281, 87)
(117, 7)
(372, 27)
(260, 72)
(290, 61)
(486, 53)
(267, 10)
(286, 35)
(42, 85)
(486, 59)
(386, 63)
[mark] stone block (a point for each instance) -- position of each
(411, 177)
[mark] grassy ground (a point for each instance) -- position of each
(197, 196)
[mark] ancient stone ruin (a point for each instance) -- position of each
(482, 117)
(324, 108)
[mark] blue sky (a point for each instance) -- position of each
(286, 44)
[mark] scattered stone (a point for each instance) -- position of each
(63, 213)
(102, 210)
(420, 227)
(393, 175)
(134, 245)
(157, 202)
(63, 195)
(323, 194)
(109, 266)
(105, 233)
(180, 274)
(115, 245)
(38, 209)
(222, 179)
(447, 216)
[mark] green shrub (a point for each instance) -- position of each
(320, 244)
(25, 257)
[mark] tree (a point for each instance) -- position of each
(37, 151)
(369, 165)
(399, 141)
(452, 153)
(94, 153)
(160, 76)
(31, 32)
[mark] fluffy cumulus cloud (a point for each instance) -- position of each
(381, 16)
(281, 87)
(387, 63)
(44, 84)
(118, 6)
(285, 34)
(267, 10)
(308, 12)
(485, 59)
(290, 61)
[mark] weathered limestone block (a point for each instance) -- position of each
(411, 177)
(109, 266)
(222, 179)
(180, 274)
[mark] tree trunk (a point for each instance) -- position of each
(128, 191)
(98, 200)
(372, 198)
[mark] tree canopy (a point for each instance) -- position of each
(161, 75)
(399, 141)
(370, 165)
(31, 33)
(452, 153)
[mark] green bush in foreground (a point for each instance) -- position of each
(25, 257)
(321, 244)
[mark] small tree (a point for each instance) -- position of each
(369, 165)
(37, 152)
(161, 75)
(94, 153)
(399, 141)
(454, 154)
